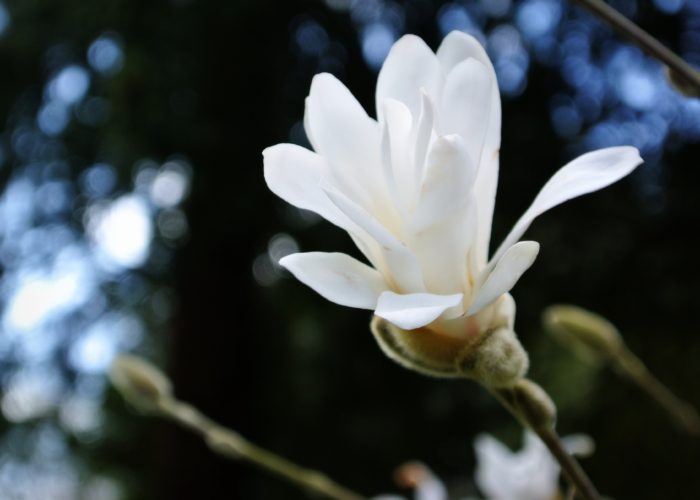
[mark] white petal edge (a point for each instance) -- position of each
(294, 174)
(465, 106)
(458, 46)
(341, 131)
(409, 66)
(396, 160)
(455, 48)
(447, 182)
(580, 445)
(414, 310)
(423, 134)
(506, 274)
(401, 264)
(337, 277)
(492, 458)
(587, 173)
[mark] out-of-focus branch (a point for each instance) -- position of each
(596, 340)
(149, 390)
(533, 408)
(684, 77)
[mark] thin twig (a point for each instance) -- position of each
(684, 414)
(569, 465)
(232, 445)
(678, 67)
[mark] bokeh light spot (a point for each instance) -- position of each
(53, 117)
(453, 16)
(121, 231)
(4, 19)
(98, 180)
(311, 38)
(377, 39)
(537, 18)
(106, 55)
(70, 85)
(669, 6)
(170, 185)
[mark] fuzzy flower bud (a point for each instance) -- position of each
(499, 360)
(139, 382)
(491, 355)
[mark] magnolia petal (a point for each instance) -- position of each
(410, 66)
(443, 250)
(455, 48)
(337, 277)
(458, 46)
(340, 130)
(443, 225)
(507, 272)
(580, 445)
(587, 173)
(466, 103)
(294, 174)
(399, 261)
(396, 149)
(530, 473)
(423, 134)
(447, 183)
(414, 310)
(493, 463)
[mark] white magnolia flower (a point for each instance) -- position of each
(416, 188)
(529, 474)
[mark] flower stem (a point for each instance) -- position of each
(631, 367)
(526, 410)
(572, 469)
(678, 67)
(232, 445)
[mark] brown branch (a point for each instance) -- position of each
(680, 71)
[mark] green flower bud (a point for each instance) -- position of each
(588, 334)
(139, 382)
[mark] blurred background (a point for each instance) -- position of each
(134, 217)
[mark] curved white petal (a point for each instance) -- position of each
(423, 134)
(455, 48)
(443, 251)
(447, 183)
(494, 463)
(402, 266)
(294, 174)
(585, 174)
(507, 272)
(340, 130)
(337, 277)
(444, 223)
(458, 46)
(528, 474)
(410, 66)
(414, 310)
(466, 104)
(396, 152)
(580, 445)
